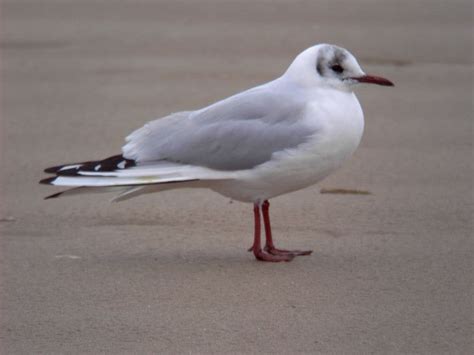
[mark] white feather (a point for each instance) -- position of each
(143, 175)
(163, 171)
(67, 167)
(112, 181)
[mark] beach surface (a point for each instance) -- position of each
(391, 270)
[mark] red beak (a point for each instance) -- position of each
(372, 79)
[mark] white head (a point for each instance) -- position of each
(329, 65)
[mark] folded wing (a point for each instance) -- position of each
(238, 133)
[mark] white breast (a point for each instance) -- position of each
(340, 122)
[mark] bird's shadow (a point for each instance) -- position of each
(194, 261)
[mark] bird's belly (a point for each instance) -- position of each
(293, 169)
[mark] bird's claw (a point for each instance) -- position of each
(273, 254)
(264, 256)
(276, 251)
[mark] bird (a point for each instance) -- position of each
(275, 138)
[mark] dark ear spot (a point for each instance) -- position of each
(330, 59)
(320, 66)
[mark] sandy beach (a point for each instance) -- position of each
(391, 270)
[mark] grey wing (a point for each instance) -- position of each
(237, 133)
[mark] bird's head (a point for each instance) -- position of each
(330, 65)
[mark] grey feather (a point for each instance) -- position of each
(236, 133)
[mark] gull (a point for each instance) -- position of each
(270, 140)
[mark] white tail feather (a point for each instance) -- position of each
(126, 192)
(141, 175)
(86, 190)
(112, 181)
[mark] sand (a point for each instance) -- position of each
(391, 270)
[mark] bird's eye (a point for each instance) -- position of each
(337, 68)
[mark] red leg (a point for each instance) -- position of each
(257, 247)
(269, 246)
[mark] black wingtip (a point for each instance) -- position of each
(68, 172)
(53, 169)
(48, 181)
(58, 170)
(56, 195)
(109, 164)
